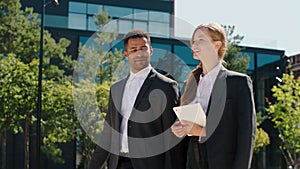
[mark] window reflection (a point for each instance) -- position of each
(159, 29)
(140, 25)
(77, 21)
(77, 7)
(118, 11)
(140, 14)
(124, 26)
(91, 24)
(263, 59)
(94, 9)
(156, 23)
(251, 56)
(159, 16)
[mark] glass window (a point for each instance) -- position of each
(159, 29)
(185, 53)
(251, 56)
(91, 24)
(159, 51)
(140, 14)
(77, 21)
(140, 25)
(77, 7)
(112, 26)
(94, 9)
(56, 21)
(83, 39)
(159, 16)
(118, 12)
(124, 26)
(117, 44)
(263, 59)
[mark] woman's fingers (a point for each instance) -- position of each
(178, 129)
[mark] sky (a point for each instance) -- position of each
(267, 24)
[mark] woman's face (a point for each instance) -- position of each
(203, 47)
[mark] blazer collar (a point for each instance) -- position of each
(145, 86)
(117, 93)
(217, 103)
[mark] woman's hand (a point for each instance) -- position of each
(193, 129)
(183, 128)
(178, 129)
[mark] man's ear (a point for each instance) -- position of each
(125, 53)
(151, 50)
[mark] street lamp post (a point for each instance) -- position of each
(40, 78)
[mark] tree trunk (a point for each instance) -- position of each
(27, 141)
(3, 147)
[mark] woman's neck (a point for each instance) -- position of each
(207, 67)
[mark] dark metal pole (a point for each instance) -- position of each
(39, 102)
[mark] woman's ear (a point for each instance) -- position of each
(218, 45)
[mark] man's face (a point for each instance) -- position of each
(138, 53)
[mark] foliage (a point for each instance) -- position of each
(17, 81)
(59, 122)
(95, 72)
(90, 112)
(172, 67)
(234, 60)
(237, 62)
(17, 101)
(20, 34)
(285, 113)
(262, 138)
(20, 38)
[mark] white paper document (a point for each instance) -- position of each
(191, 112)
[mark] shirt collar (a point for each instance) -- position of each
(141, 74)
(213, 73)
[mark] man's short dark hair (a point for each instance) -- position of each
(136, 33)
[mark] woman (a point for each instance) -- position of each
(226, 142)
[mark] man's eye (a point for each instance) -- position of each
(133, 50)
(144, 48)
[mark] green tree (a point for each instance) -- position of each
(94, 70)
(17, 101)
(235, 61)
(59, 121)
(285, 113)
(20, 34)
(20, 37)
(262, 138)
(172, 67)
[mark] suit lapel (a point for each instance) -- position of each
(145, 87)
(117, 95)
(217, 103)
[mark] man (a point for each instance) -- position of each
(137, 132)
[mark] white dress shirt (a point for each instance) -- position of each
(205, 87)
(131, 90)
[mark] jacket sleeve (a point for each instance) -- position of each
(176, 156)
(246, 120)
(100, 154)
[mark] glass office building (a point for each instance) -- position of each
(74, 20)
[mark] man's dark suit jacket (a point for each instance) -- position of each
(158, 118)
(231, 124)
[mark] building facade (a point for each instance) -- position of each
(295, 64)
